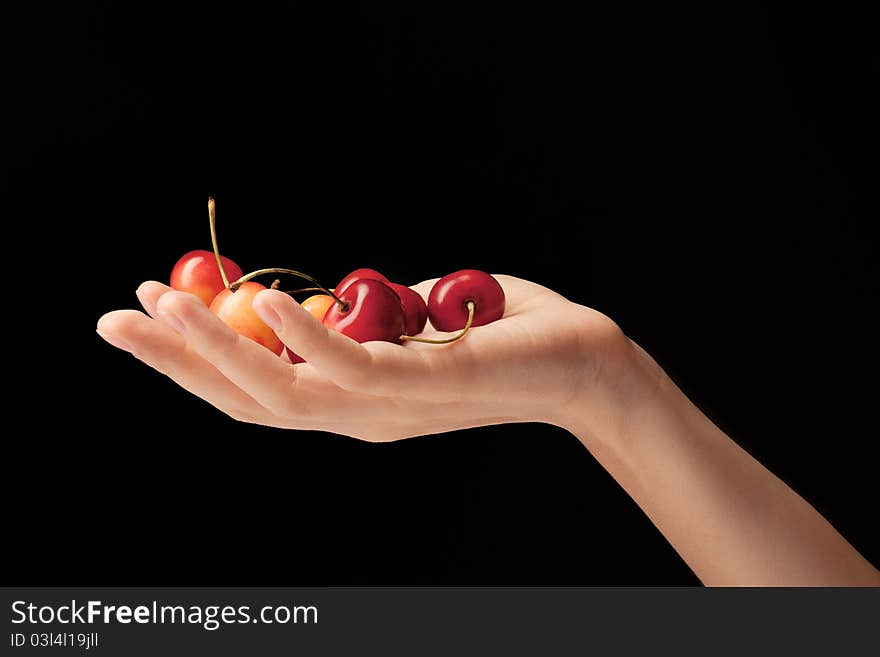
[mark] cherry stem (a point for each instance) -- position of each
(343, 305)
(212, 216)
(304, 289)
(455, 338)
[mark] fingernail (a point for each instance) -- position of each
(148, 305)
(173, 321)
(115, 341)
(267, 314)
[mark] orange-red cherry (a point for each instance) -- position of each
(197, 273)
(317, 305)
(236, 310)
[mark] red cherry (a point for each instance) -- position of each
(447, 303)
(374, 312)
(236, 310)
(357, 275)
(197, 273)
(414, 309)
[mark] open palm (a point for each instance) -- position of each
(522, 367)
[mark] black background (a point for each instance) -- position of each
(704, 175)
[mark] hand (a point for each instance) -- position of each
(528, 366)
(546, 360)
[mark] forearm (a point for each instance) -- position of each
(731, 519)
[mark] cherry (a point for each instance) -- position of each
(317, 305)
(197, 273)
(294, 357)
(365, 306)
(371, 311)
(414, 309)
(357, 275)
(449, 298)
(236, 310)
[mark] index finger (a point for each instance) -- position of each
(377, 368)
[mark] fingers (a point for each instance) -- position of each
(148, 294)
(336, 356)
(273, 395)
(251, 367)
(379, 368)
(157, 345)
(162, 349)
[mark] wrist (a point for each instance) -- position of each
(618, 386)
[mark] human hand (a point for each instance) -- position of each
(527, 366)
(546, 360)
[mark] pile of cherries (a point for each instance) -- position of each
(365, 305)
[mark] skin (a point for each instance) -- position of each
(547, 360)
